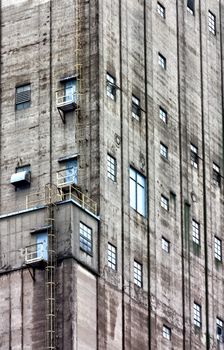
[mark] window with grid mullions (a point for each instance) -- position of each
(161, 10)
(111, 167)
(194, 156)
(196, 232)
(165, 245)
(197, 315)
(163, 150)
(136, 109)
(211, 23)
(111, 87)
(163, 114)
(112, 256)
(164, 202)
(218, 249)
(166, 332)
(85, 237)
(137, 191)
(219, 330)
(137, 274)
(162, 61)
(216, 174)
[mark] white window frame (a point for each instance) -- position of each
(161, 10)
(85, 238)
(136, 109)
(111, 168)
(164, 202)
(216, 174)
(166, 332)
(163, 114)
(218, 248)
(137, 191)
(111, 87)
(211, 22)
(162, 61)
(163, 150)
(219, 324)
(195, 232)
(194, 156)
(197, 315)
(165, 245)
(138, 268)
(112, 256)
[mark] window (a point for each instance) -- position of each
(163, 115)
(70, 90)
(137, 192)
(112, 256)
(166, 332)
(164, 202)
(190, 6)
(219, 329)
(211, 23)
(85, 235)
(165, 245)
(111, 86)
(137, 274)
(216, 174)
(163, 150)
(111, 167)
(136, 110)
(197, 315)
(162, 61)
(195, 232)
(42, 245)
(23, 97)
(161, 10)
(194, 156)
(218, 249)
(71, 175)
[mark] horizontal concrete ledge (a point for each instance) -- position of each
(20, 212)
(59, 261)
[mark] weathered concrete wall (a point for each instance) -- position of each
(194, 105)
(124, 39)
(22, 324)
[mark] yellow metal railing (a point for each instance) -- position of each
(84, 201)
(48, 195)
(64, 191)
(35, 199)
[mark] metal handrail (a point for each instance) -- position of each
(65, 99)
(35, 255)
(63, 178)
(72, 192)
(35, 199)
(86, 202)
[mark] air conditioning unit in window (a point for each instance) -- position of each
(21, 179)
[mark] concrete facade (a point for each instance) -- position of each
(97, 307)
